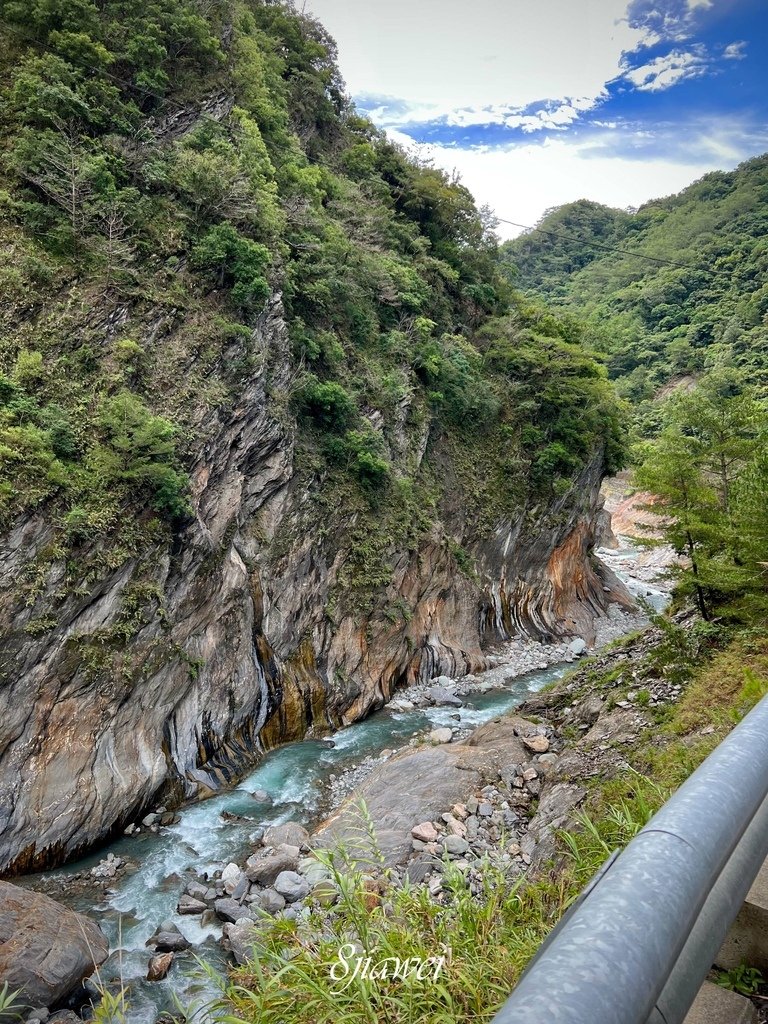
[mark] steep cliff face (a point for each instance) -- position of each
(165, 677)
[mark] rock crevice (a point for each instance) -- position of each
(242, 640)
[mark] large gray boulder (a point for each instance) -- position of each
(45, 949)
(290, 833)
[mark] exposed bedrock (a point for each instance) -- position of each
(165, 677)
(45, 948)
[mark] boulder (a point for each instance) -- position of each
(190, 905)
(45, 949)
(577, 647)
(271, 902)
(425, 832)
(291, 886)
(265, 869)
(197, 890)
(261, 796)
(313, 870)
(240, 938)
(241, 889)
(400, 704)
(455, 845)
(290, 834)
(168, 941)
(230, 910)
(536, 744)
(159, 966)
(444, 735)
(231, 876)
(441, 695)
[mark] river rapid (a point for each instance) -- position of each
(299, 779)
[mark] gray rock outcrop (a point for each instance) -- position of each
(243, 630)
(45, 949)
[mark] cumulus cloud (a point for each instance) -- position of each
(735, 51)
(536, 104)
(665, 20)
(663, 72)
(555, 115)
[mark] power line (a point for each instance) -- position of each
(613, 248)
(201, 115)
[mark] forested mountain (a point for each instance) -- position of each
(284, 431)
(653, 321)
(201, 163)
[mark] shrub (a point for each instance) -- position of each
(231, 260)
(140, 449)
(329, 404)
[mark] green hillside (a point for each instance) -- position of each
(158, 162)
(656, 322)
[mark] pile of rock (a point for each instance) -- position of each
(490, 827)
(280, 879)
(161, 817)
(516, 657)
(108, 867)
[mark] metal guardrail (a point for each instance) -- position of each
(639, 942)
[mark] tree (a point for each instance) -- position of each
(707, 467)
(235, 261)
(140, 449)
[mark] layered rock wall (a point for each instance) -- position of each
(240, 636)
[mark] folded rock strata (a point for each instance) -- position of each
(244, 636)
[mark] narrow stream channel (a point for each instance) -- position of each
(296, 776)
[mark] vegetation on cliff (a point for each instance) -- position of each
(680, 313)
(166, 169)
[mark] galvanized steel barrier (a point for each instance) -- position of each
(637, 945)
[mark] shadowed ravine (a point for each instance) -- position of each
(297, 776)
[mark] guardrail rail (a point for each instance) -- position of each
(640, 940)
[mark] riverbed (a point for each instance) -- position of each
(302, 781)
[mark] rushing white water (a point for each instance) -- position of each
(296, 777)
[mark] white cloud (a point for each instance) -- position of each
(663, 72)
(735, 51)
(533, 67)
(521, 182)
(446, 57)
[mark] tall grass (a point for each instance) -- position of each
(485, 940)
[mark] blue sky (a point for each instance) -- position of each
(539, 102)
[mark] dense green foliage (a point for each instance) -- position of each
(688, 347)
(709, 467)
(656, 322)
(165, 168)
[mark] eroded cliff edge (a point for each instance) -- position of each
(167, 675)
